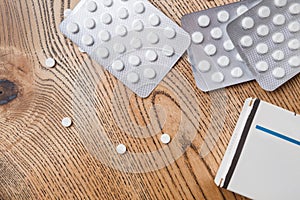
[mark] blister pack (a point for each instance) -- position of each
(268, 39)
(131, 39)
(215, 61)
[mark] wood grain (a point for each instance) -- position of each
(39, 159)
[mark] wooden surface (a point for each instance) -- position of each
(39, 159)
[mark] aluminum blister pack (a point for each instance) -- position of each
(268, 39)
(131, 39)
(215, 61)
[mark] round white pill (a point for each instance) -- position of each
(91, 6)
(90, 23)
(218, 77)
(153, 38)
(139, 7)
(72, 28)
(50, 62)
(237, 72)
(246, 41)
(216, 33)
(106, 18)
(247, 23)
(154, 20)
(134, 60)
(264, 12)
(262, 48)
(294, 26)
(279, 19)
(168, 51)
(294, 61)
(151, 55)
(87, 40)
(104, 36)
(137, 25)
(169, 32)
(136, 43)
(278, 38)
(280, 3)
(103, 52)
(228, 45)
(123, 13)
(242, 9)
(118, 65)
(67, 12)
(294, 44)
(149, 73)
(262, 66)
(66, 122)
(197, 37)
(278, 55)
(107, 3)
(203, 21)
(223, 61)
(204, 66)
(223, 16)
(210, 49)
(263, 30)
(119, 48)
(165, 138)
(121, 149)
(278, 73)
(121, 30)
(133, 77)
(295, 9)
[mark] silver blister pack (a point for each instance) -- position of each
(215, 61)
(268, 39)
(131, 39)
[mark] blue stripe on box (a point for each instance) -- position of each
(291, 140)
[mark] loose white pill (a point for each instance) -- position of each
(246, 41)
(139, 7)
(280, 3)
(278, 55)
(151, 55)
(223, 61)
(278, 38)
(66, 122)
(237, 72)
(134, 60)
(121, 149)
(264, 12)
(103, 52)
(262, 48)
(294, 44)
(295, 9)
(133, 77)
(210, 49)
(106, 18)
(91, 6)
(263, 30)
(136, 43)
(294, 61)
(294, 26)
(242, 9)
(203, 21)
(165, 138)
(197, 37)
(72, 28)
(169, 32)
(50, 62)
(279, 19)
(149, 73)
(204, 66)
(153, 38)
(87, 40)
(223, 16)
(104, 36)
(137, 25)
(218, 77)
(262, 66)
(247, 23)
(216, 33)
(278, 73)
(228, 45)
(154, 20)
(168, 51)
(118, 65)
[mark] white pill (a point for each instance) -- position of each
(67, 12)
(223, 61)
(66, 122)
(118, 65)
(228, 45)
(50, 62)
(279, 19)
(91, 6)
(218, 77)
(87, 40)
(204, 66)
(104, 36)
(103, 52)
(295, 9)
(278, 73)
(168, 51)
(153, 38)
(247, 23)
(223, 16)
(123, 13)
(239, 58)
(133, 77)
(121, 149)
(242, 9)
(264, 12)
(203, 21)
(210, 49)
(151, 55)
(280, 3)
(139, 7)
(262, 66)
(169, 32)
(134, 60)
(278, 55)
(121, 30)
(294, 44)
(294, 61)
(106, 18)
(149, 73)
(278, 38)
(246, 41)
(154, 20)
(90, 23)
(263, 30)
(137, 25)
(72, 28)
(237, 72)
(165, 138)
(197, 37)
(216, 33)
(262, 48)
(136, 43)
(107, 3)
(294, 26)
(119, 48)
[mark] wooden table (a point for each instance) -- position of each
(40, 159)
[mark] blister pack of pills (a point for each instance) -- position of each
(215, 61)
(268, 39)
(131, 39)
